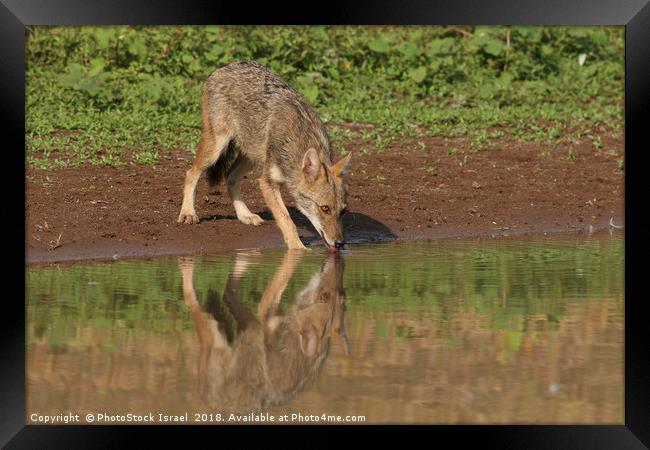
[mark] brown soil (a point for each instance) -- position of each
(402, 192)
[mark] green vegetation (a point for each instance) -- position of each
(116, 95)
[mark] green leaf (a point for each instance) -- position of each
(73, 75)
(418, 74)
(154, 89)
(288, 68)
(494, 47)
(588, 71)
(90, 87)
(104, 36)
(532, 34)
(308, 89)
(440, 46)
(393, 71)
(379, 45)
(409, 50)
(215, 53)
(139, 48)
(504, 80)
(600, 37)
(487, 90)
(97, 66)
(578, 32)
(319, 33)
(524, 31)
(547, 50)
(484, 30)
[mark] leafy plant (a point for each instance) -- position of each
(119, 88)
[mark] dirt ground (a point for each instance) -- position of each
(402, 192)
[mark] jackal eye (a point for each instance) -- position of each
(325, 209)
(344, 211)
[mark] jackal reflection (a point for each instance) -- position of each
(248, 362)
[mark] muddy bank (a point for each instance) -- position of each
(406, 191)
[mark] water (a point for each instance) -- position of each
(498, 331)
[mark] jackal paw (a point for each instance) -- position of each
(251, 219)
(186, 264)
(296, 245)
(186, 261)
(188, 218)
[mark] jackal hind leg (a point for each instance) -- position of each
(234, 182)
(210, 147)
(273, 198)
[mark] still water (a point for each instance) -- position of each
(497, 331)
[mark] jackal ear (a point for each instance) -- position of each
(311, 165)
(342, 168)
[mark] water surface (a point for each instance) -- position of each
(497, 331)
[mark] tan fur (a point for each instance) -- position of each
(258, 121)
(276, 176)
(270, 359)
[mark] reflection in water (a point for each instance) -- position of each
(503, 331)
(246, 364)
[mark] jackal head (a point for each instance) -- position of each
(321, 195)
(319, 309)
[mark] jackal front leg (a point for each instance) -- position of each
(273, 199)
(186, 264)
(270, 301)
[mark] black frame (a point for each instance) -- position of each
(633, 14)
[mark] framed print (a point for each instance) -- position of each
(413, 216)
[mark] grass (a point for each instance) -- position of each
(129, 95)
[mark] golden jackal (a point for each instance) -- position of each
(252, 118)
(249, 364)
